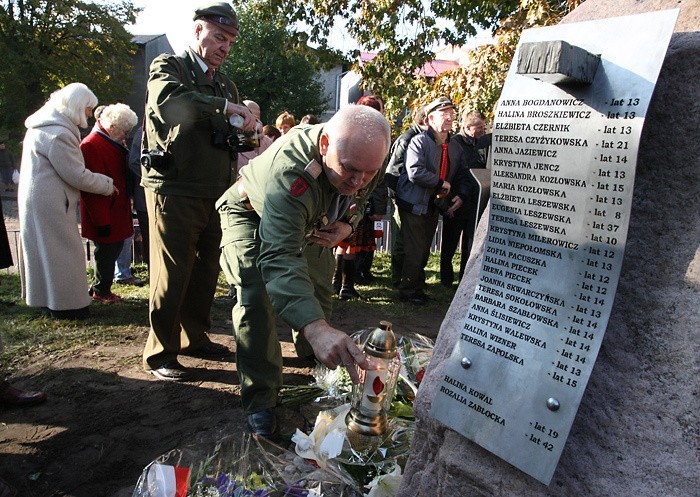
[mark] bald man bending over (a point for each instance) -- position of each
(287, 208)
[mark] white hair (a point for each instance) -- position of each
(72, 100)
(120, 116)
(253, 107)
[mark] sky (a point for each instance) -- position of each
(174, 18)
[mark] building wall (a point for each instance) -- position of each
(148, 48)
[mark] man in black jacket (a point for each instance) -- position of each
(462, 221)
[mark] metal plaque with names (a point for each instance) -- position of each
(565, 140)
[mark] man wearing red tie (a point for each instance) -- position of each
(429, 183)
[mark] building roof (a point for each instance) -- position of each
(430, 69)
(144, 39)
(436, 67)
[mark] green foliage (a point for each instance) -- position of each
(403, 33)
(48, 44)
(274, 66)
(478, 85)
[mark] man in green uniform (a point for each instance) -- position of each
(187, 164)
(288, 208)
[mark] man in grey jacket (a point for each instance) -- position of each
(430, 167)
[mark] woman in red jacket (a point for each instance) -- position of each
(107, 221)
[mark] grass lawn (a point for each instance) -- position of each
(27, 331)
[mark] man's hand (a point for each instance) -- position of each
(445, 189)
(456, 204)
(249, 122)
(330, 235)
(334, 348)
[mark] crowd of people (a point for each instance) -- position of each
(287, 212)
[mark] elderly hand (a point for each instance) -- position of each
(331, 234)
(445, 189)
(456, 204)
(249, 120)
(334, 348)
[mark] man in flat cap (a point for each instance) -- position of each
(433, 170)
(188, 163)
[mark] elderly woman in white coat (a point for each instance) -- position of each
(52, 176)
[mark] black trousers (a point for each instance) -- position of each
(105, 256)
(142, 216)
(463, 223)
(417, 232)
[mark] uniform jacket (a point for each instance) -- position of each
(53, 174)
(103, 155)
(184, 112)
(420, 179)
(291, 200)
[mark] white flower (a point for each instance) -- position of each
(385, 485)
(326, 439)
(304, 445)
(332, 444)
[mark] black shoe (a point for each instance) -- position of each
(130, 281)
(14, 397)
(263, 423)
(415, 299)
(171, 371)
(349, 293)
(209, 350)
(72, 314)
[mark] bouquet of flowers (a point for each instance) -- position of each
(415, 352)
(236, 467)
(325, 463)
(378, 465)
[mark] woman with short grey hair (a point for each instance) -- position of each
(107, 221)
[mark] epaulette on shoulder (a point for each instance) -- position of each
(314, 169)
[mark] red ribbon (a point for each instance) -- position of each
(443, 162)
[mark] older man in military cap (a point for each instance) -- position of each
(187, 163)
